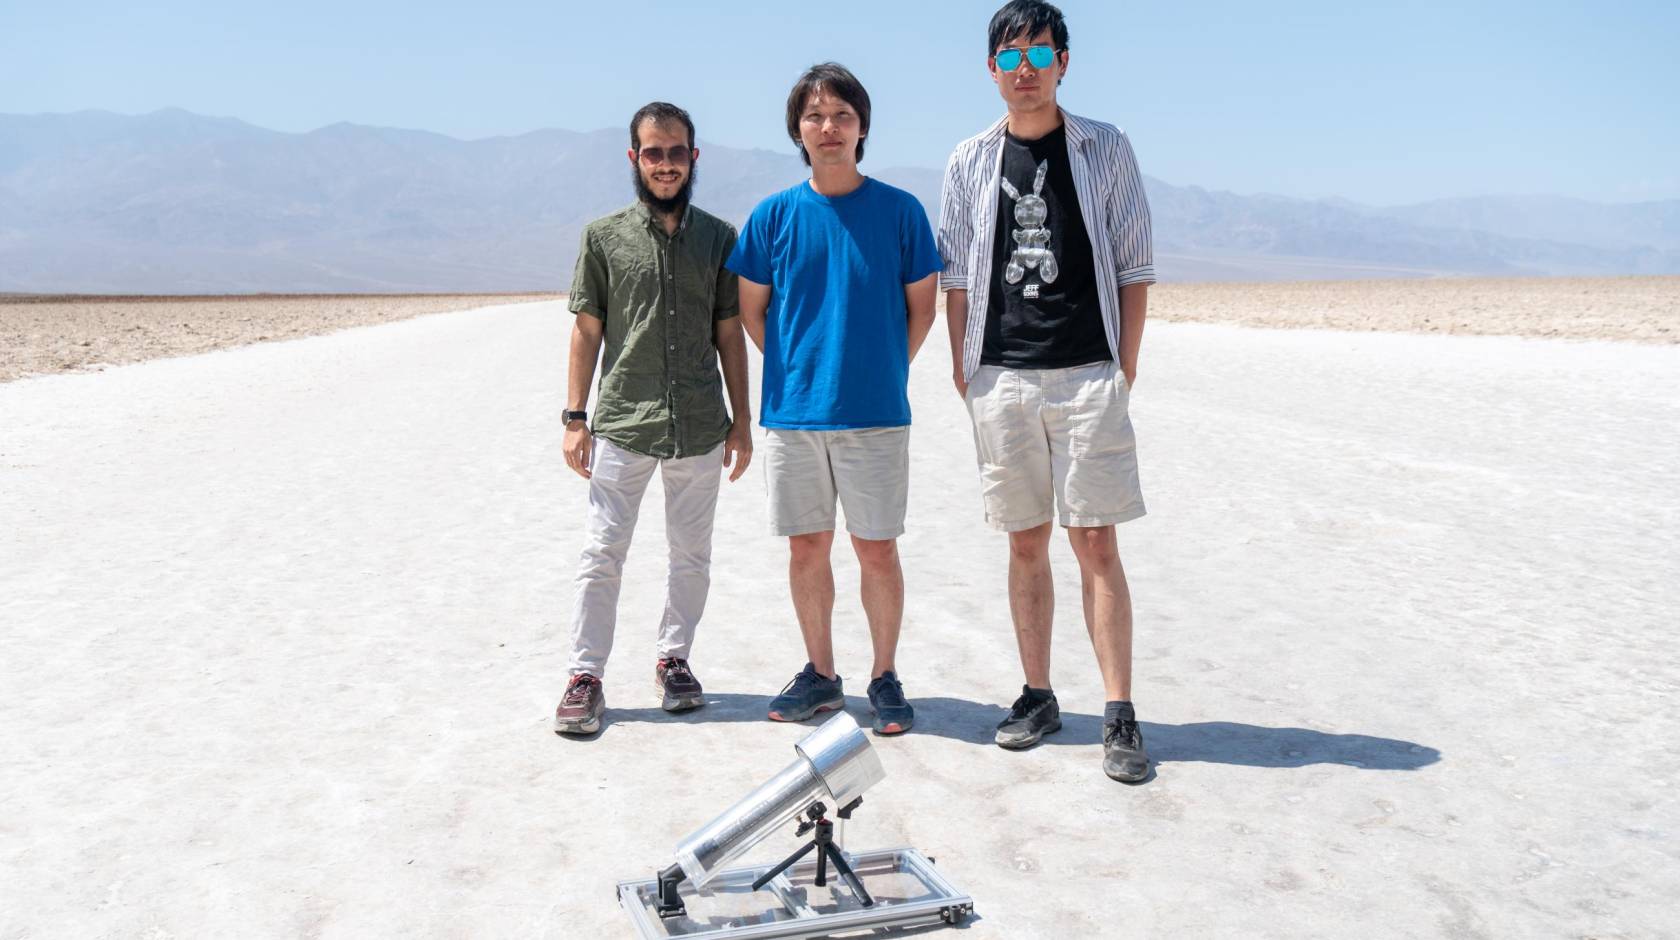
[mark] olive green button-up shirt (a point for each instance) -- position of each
(658, 297)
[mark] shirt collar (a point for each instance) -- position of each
(1078, 131)
(646, 215)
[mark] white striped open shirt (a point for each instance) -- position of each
(1110, 191)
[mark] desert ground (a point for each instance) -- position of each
(284, 625)
(50, 334)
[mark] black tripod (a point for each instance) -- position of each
(823, 842)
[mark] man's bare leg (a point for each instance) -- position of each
(811, 578)
(1108, 606)
(881, 582)
(1032, 601)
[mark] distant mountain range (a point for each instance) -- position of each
(181, 203)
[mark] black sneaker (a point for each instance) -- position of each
(1029, 719)
(678, 689)
(581, 707)
(809, 692)
(1124, 758)
(893, 715)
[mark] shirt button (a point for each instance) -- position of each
(672, 346)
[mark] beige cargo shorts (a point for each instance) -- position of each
(1054, 444)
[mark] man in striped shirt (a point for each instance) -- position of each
(1044, 229)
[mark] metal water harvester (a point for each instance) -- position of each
(834, 763)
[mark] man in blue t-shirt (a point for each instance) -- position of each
(838, 281)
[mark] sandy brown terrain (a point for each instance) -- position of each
(55, 333)
(1637, 309)
(50, 334)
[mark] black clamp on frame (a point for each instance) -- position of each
(670, 902)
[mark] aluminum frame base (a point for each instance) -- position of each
(908, 892)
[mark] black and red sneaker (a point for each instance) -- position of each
(581, 707)
(678, 689)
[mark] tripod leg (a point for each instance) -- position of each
(784, 866)
(851, 877)
(822, 866)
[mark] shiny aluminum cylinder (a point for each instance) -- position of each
(835, 762)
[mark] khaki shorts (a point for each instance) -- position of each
(1054, 439)
(867, 469)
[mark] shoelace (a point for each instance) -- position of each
(1024, 706)
(1126, 730)
(677, 669)
(889, 692)
(799, 683)
(578, 692)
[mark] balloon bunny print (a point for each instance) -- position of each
(1032, 239)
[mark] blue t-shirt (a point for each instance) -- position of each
(836, 336)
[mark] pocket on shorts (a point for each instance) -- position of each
(1100, 419)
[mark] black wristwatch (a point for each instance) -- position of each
(571, 416)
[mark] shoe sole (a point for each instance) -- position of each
(887, 729)
(829, 706)
(892, 728)
(1124, 778)
(1022, 744)
(587, 726)
(680, 703)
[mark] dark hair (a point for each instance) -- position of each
(1025, 18)
(837, 80)
(662, 112)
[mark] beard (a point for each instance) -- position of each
(670, 206)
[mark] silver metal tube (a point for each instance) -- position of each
(835, 761)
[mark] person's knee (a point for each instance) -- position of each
(1095, 547)
(876, 553)
(811, 548)
(1031, 546)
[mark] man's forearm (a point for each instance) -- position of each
(1134, 307)
(732, 353)
(580, 367)
(956, 323)
(753, 326)
(921, 301)
(755, 309)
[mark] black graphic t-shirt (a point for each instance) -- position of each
(1043, 312)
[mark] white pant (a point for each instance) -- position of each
(618, 479)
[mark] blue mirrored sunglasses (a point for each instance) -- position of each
(1010, 59)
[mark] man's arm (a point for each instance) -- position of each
(732, 353)
(956, 236)
(755, 303)
(956, 323)
(1134, 253)
(1134, 306)
(580, 373)
(920, 298)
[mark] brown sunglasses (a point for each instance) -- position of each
(676, 156)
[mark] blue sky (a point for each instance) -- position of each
(1381, 103)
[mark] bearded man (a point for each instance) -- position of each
(651, 288)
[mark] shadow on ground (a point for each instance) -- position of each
(1208, 742)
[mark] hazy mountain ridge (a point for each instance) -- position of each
(174, 201)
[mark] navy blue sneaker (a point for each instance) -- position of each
(809, 692)
(893, 715)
